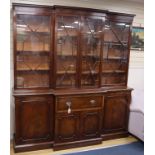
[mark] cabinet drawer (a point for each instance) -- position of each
(78, 102)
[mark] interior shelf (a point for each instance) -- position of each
(91, 55)
(114, 84)
(32, 71)
(66, 55)
(63, 35)
(21, 33)
(125, 43)
(96, 35)
(112, 71)
(88, 72)
(64, 72)
(19, 52)
(114, 58)
(74, 72)
(94, 72)
(84, 56)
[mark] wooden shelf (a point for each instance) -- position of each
(125, 43)
(74, 72)
(32, 71)
(91, 55)
(68, 72)
(71, 34)
(114, 58)
(32, 52)
(34, 87)
(66, 55)
(23, 33)
(114, 84)
(84, 56)
(105, 72)
(88, 72)
(112, 71)
(95, 35)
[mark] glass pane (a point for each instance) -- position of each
(32, 54)
(113, 79)
(67, 41)
(91, 47)
(116, 32)
(115, 50)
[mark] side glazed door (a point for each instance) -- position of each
(115, 53)
(32, 49)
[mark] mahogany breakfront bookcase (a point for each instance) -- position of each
(70, 76)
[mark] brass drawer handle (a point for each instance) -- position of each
(68, 103)
(92, 102)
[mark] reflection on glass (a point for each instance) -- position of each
(115, 49)
(33, 46)
(91, 46)
(67, 40)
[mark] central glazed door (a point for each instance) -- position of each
(91, 40)
(67, 31)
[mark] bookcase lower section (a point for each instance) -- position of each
(62, 121)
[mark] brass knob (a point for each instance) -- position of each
(92, 101)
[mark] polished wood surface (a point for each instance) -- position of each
(70, 76)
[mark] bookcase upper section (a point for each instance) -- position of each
(69, 47)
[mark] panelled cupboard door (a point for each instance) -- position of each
(78, 125)
(67, 127)
(66, 45)
(91, 124)
(34, 119)
(32, 50)
(115, 113)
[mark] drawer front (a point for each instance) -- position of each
(78, 102)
